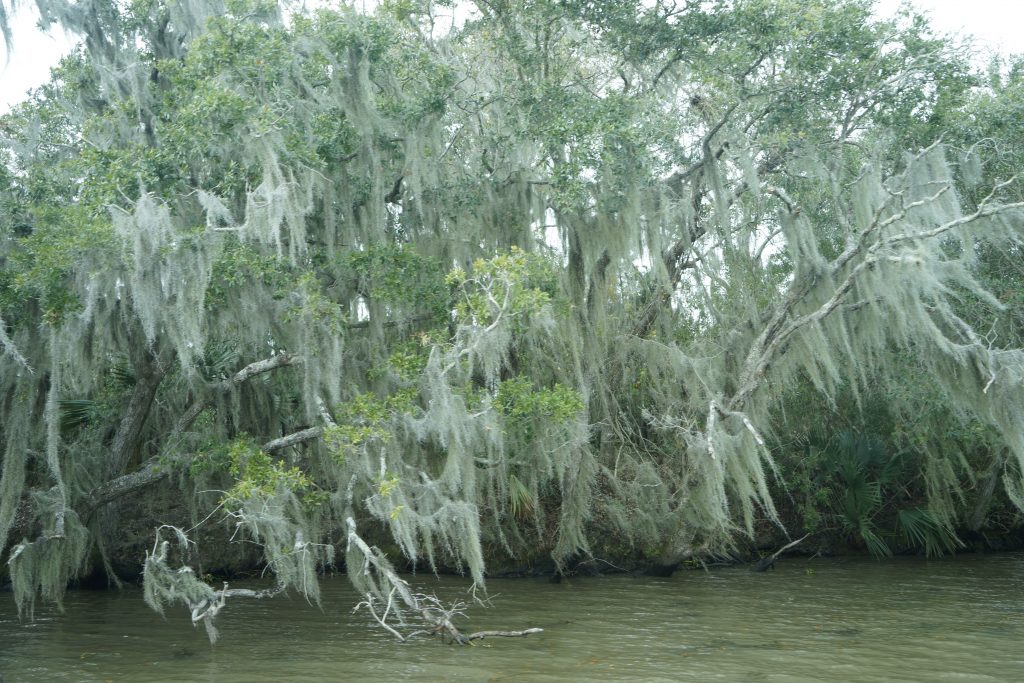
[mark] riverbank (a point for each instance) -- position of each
(218, 558)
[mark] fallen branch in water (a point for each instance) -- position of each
(434, 618)
(164, 584)
(766, 563)
(480, 635)
(206, 609)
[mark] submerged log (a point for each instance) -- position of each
(480, 635)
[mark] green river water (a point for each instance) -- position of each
(954, 619)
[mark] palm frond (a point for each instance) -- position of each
(75, 412)
(123, 374)
(220, 360)
(519, 498)
(875, 543)
(918, 527)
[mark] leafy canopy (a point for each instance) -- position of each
(485, 279)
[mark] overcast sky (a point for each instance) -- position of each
(996, 24)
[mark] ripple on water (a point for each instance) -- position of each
(958, 619)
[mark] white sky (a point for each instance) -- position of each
(996, 24)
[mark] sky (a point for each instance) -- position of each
(996, 25)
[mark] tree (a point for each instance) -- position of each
(476, 280)
(939, 466)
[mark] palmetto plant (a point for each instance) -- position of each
(864, 474)
(554, 267)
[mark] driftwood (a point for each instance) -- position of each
(480, 635)
(436, 618)
(766, 563)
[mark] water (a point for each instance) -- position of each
(957, 619)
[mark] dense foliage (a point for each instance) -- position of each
(504, 279)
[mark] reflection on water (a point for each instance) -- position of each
(956, 619)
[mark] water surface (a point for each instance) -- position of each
(955, 619)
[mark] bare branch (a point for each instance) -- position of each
(259, 367)
(249, 371)
(982, 212)
(293, 439)
(480, 635)
(791, 206)
(436, 617)
(769, 561)
(7, 346)
(158, 468)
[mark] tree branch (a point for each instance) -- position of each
(436, 617)
(480, 635)
(767, 563)
(259, 367)
(158, 468)
(293, 439)
(251, 370)
(776, 334)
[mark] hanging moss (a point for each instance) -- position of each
(531, 280)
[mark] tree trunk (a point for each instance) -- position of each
(986, 489)
(148, 375)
